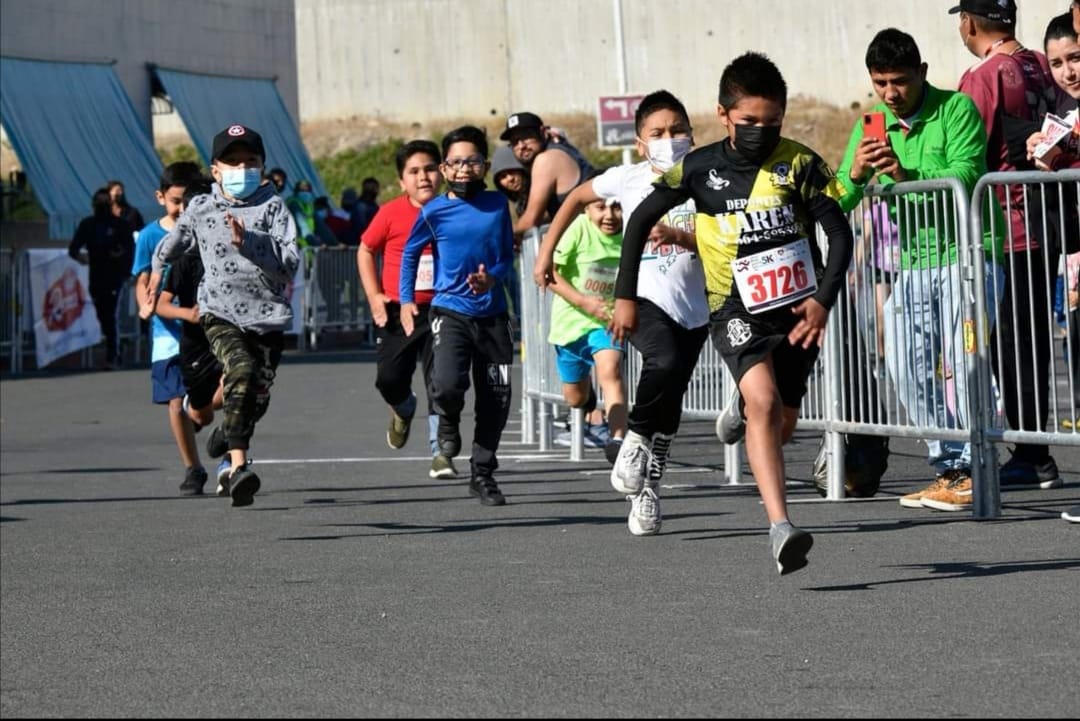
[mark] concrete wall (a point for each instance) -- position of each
(423, 59)
(248, 38)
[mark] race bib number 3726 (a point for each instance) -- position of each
(775, 277)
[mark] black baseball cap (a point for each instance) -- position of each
(237, 134)
(521, 120)
(1002, 11)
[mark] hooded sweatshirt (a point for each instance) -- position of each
(245, 285)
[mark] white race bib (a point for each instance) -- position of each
(600, 281)
(775, 277)
(425, 273)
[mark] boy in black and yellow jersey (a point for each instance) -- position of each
(758, 196)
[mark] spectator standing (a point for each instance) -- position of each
(109, 243)
(121, 208)
(365, 207)
(280, 180)
(554, 168)
(1013, 81)
(302, 206)
(931, 133)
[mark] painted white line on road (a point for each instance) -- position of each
(391, 459)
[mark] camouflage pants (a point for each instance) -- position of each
(250, 362)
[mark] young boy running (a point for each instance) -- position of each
(758, 196)
(472, 243)
(165, 375)
(586, 262)
(247, 241)
(670, 296)
(201, 371)
(419, 178)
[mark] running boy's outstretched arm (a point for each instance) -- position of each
(648, 214)
(274, 251)
(179, 240)
(815, 309)
(422, 234)
(572, 207)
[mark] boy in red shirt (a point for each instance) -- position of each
(419, 177)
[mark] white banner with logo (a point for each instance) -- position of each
(61, 309)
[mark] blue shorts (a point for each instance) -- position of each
(575, 361)
(167, 380)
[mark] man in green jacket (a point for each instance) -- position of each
(930, 133)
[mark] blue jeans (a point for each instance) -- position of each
(925, 330)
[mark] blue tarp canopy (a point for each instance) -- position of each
(210, 103)
(74, 129)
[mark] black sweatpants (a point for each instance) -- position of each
(669, 354)
(105, 304)
(398, 353)
(1023, 357)
(484, 346)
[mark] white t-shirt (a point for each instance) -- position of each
(671, 276)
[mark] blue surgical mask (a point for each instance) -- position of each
(240, 182)
(305, 196)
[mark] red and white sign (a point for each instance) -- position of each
(615, 120)
(64, 317)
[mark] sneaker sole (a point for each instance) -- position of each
(943, 506)
(911, 502)
(1071, 519)
(489, 501)
(191, 491)
(445, 473)
(638, 530)
(792, 556)
(243, 493)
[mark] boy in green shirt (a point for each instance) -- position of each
(586, 262)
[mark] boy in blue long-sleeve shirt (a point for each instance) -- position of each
(471, 236)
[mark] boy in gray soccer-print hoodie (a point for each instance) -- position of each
(246, 238)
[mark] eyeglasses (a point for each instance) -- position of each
(457, 163)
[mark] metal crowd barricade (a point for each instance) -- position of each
(10, 311)
(1042, 207)
(907, 352)
(896, 367)
(334, 295)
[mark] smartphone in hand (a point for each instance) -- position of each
(874, 126)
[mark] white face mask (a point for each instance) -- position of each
(666, 153)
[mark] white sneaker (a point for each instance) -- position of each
(644, 517)
(730, 424)
(631, 468)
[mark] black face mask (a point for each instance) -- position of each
(756, 143)
(466, 189)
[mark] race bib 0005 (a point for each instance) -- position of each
(775, 277)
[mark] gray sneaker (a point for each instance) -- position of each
(789, 547)
(644, 519)
(442, 467)
(631, 468)
(730, 424)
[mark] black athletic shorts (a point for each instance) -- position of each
(745, 340)
(201, 371)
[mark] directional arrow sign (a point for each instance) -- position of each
(615, 120)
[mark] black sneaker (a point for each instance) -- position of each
(1019, 473)
(194, 480)
(487, 490)
(244, 484)
(217, 445)
(450, 445)
(611, 450)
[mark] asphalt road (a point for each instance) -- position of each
(357, 586)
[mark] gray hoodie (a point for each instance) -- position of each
(245, 286)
